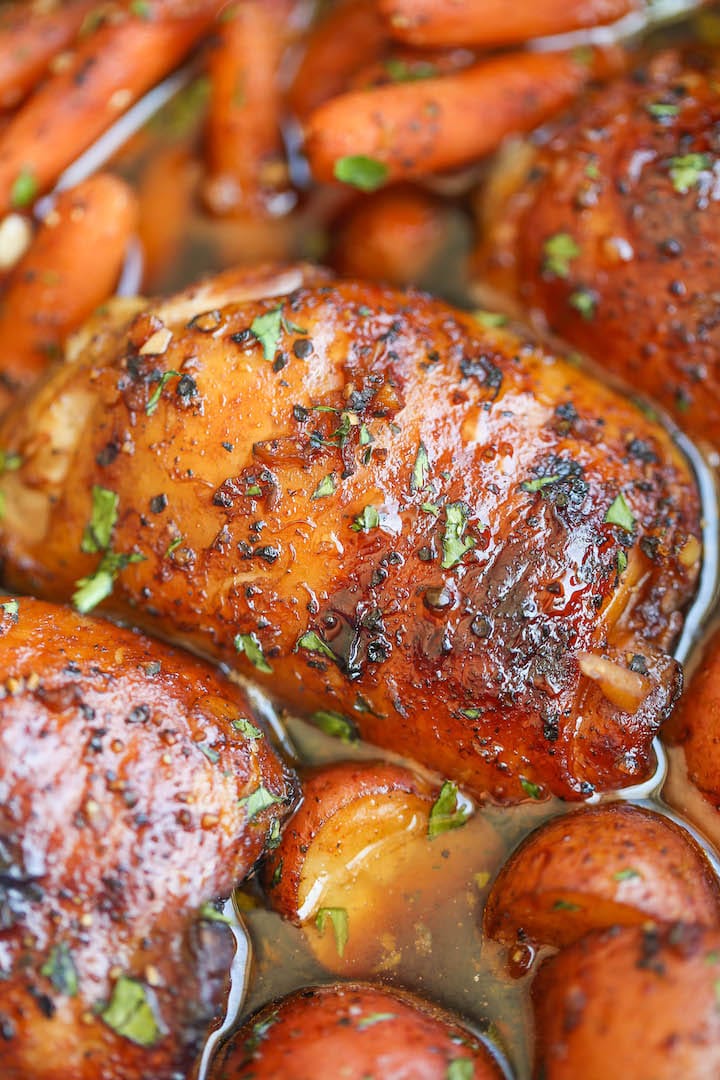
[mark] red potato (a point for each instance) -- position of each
(696, 724)
(495, 22)
(614, 865)
(366, 842)
(613, 242)
(109, 70)
(135, 786)
(396, 235)
(350, 36)
(354, 1031)
(378, 505)
(72, 265)
(640, 1003)
(245, 151)
(31, 34)
(409, 129)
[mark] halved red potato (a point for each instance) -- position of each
(696, 724)
(354, 1032)
(616, 865)
(368, 839)
(134, 788)
(639, 1003)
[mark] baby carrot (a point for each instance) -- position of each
(495, 22)
(109, 70)
(71, 266)
(29, 39)
(410, 129)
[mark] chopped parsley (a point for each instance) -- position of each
(267, 329)
(446, 813)
(325, 487)
(246, 728)
(154, 398)
(454, 542)
(620, 514)
(59, 968)
(9, 461)
(209, 913)
(685, 170)
(661, 110)
(364, 173)
(24, 189)
(585, 302)
(566, 905)
(460, 1069)
(626, 874)
(374, 1018)
(258, 800)
(98, 531)
(11, 608)
(621, 562)
(533, 790)
(335, 724)
(421, 469)
(539, 483)
(558, 252)
(130, 1014)
(249, 644)
(490, 319)
(208, 752)
(401, 71)
(314, 643)
(367, 520)
(338, 917)
(95, 588)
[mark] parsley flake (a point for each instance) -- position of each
(9, 461)
(246, 728)
(661, 110)
(364, 173)
(558, 252)
(401, 71)
(314, 643)
(490, 319)
(130, 1013)
(539, 483)
(533, 790)
(153, 400)
(335, 724)
(98, 531)
(24, 189)
(258, 800)
(585, 302)
(367, 520)
(11, 608)
(421, 469)
(250, 645)
(59, 968)
(685, 170)
(338, 917)
(620, 514)
(209, 913)
(446, 813)
(267, 328)
(566, 905)
(626, 874)
(325, 487)
(460, 1069)
(92, 590)
(374, 1018)
(454, 543)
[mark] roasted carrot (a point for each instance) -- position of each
(71, 267)
(246, 160)
(406, 64)
(109, 70)
(348, 38)
(394, 236)
(409, 129)
(495, 22)
(30, 36)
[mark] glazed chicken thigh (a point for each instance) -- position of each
(134, 788)
(376, 505)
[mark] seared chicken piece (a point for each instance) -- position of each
(377, 506)
(134, 787)
(610, 234)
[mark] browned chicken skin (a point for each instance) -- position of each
(463, 543)
(609, 234)
(133, 788)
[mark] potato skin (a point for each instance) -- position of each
(122, 781)
(641, 1001)
(353, 1031)
(639, 295)
(613, 865)
(696, 724)
(244, 488)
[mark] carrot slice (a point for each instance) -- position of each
(348, 38)
(71, 267)
(109, 70)
(409, 129)
(495, 22)
(29, 40)
(246, 156)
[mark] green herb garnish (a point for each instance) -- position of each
(338, 917)
(620, 514)
(246, 728)
(130, 1014)
(421, 469)
(685, 170)
(154, 398)
(454, 543)
(368, 519)
(335, 724)
(59, 968)
(250, 645)
(558, 252)
(258, 801)
(533, 790)
(364, 173)
(98, 531)
(314, 643)
(446, 813)
(325, 487)
(24, 189)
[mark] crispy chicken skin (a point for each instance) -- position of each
(609, 234)
(124, 806)
(440, 530)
